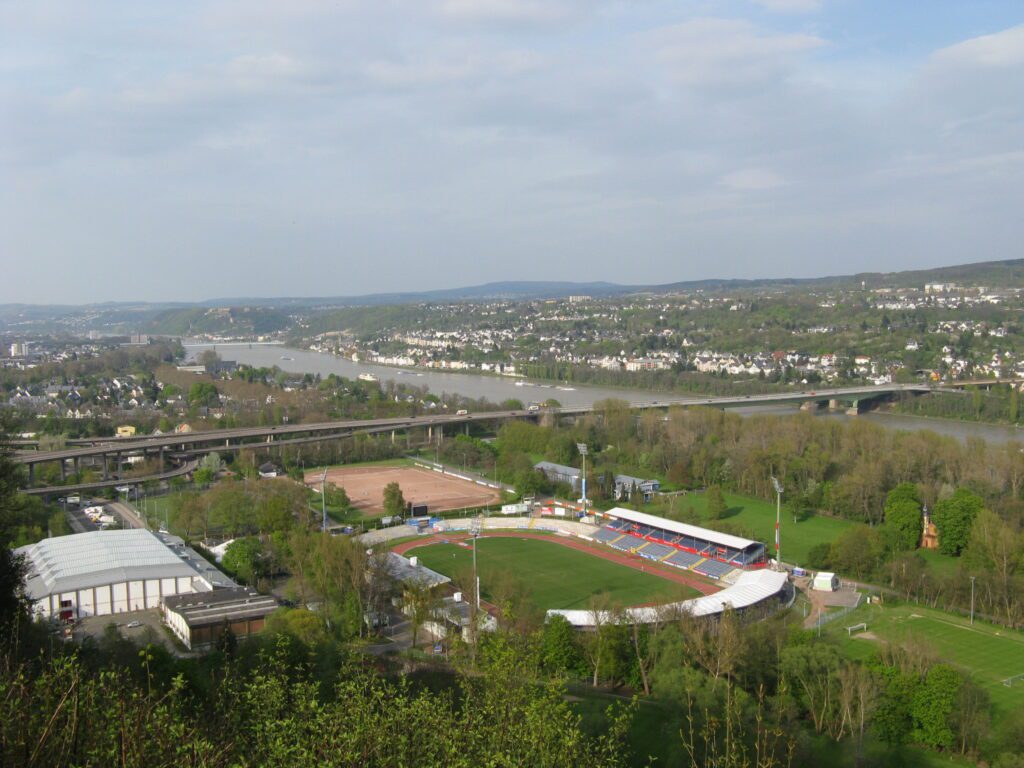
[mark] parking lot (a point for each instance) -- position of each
(139, 626)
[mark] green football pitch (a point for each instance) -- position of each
(990, 654)
(554, 575)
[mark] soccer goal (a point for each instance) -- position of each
(1008, 682)
(856, 628)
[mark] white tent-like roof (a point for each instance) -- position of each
(86, 560)
(706, 534)
(750, 588)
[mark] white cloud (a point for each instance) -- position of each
(509, 11)
(718, 52)
(1001, 49)
(790, 6)
(752, 180)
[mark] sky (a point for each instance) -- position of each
(185, 150)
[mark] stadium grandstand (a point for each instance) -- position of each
(751, 588)
(685, 546)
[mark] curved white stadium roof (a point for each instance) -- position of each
(750, 588)
(97, 558)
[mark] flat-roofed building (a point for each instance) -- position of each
(107, 572)
(199, 620)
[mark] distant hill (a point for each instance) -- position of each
(235, 321)
(522, 289)
(249, 316)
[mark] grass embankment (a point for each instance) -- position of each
(755, 519)
(555, 576)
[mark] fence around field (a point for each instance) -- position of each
(828, 618)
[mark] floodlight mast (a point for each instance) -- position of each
(582, 448)
(323, 498)
(778, 515)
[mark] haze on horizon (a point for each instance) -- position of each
(179, 151)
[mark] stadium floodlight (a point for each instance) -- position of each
(778, 516)
(323, 498)
(582, 448)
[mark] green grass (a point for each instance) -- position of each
(755, 519)
(554, 575)
(989, 653)
(939, 564)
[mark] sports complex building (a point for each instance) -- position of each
(710, 553)
(106, 572)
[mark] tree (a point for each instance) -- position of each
(337, 496)
(893, 720)
(902, 526)
(560, 648)
(203, 393)
(394, 501)
(857, 551)
(953, 520)
(243, 558)
(716, 503)
(420, 603)
(934, 707)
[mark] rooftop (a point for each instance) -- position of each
(206, 608)
(705, 534)
(85, 560)
(402, 569)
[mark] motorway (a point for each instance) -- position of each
(125, 445)
(230, 439)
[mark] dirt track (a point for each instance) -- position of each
(636, 562)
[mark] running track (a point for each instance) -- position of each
(635, 562)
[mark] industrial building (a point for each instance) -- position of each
(200, 619)
(108, 572)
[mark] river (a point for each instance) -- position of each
(498, 388)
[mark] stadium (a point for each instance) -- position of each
(642, 564)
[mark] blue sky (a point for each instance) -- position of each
(179, 151)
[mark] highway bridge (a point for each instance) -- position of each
(186, 445)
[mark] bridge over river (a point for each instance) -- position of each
(181, 448)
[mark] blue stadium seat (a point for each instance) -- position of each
(683, 559)
(606, 535)
(714, 569)
(656, 551)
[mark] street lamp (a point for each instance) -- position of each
(582, 448)
(972, 599)
(778, 515)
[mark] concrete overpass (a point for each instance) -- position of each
(186, 445)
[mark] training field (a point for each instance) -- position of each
(990, 654)
(554, 575)
(365, 487)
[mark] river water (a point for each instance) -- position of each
(497, 389)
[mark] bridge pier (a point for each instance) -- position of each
(106, 467)
(63, 470)
(834, 405)
(31, 474)
(810, 405)
(854, 408)
(392, 437)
